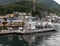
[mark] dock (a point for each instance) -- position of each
(19, 32)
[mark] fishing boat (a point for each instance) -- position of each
(22, 24)
(55, 20)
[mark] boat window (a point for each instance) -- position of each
(4, 23)
(34, 19)
(5, 19)
(21, 24)
(0, 21)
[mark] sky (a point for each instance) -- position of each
(58, 1)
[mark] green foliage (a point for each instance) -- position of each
(26, 6)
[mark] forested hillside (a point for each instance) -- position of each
(27, 5)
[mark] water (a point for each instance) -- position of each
(40, 39)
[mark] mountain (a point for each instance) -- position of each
(49, 5)
(2, 2)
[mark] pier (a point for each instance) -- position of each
(19, 32)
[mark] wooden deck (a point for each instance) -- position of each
(6, 32)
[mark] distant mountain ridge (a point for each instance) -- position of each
(49, 3)
(42, 3)
(2, 2)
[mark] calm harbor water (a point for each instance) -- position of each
(40, 39)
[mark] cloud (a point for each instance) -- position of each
(58, 1)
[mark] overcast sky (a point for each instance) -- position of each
(58, 1)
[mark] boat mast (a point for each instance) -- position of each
(33, 8)
(33, 5)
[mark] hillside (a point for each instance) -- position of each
(3, 2)
(26, 6)
(50, 3)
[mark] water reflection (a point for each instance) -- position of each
(54, 40)
(25, 40)
(10, 37)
